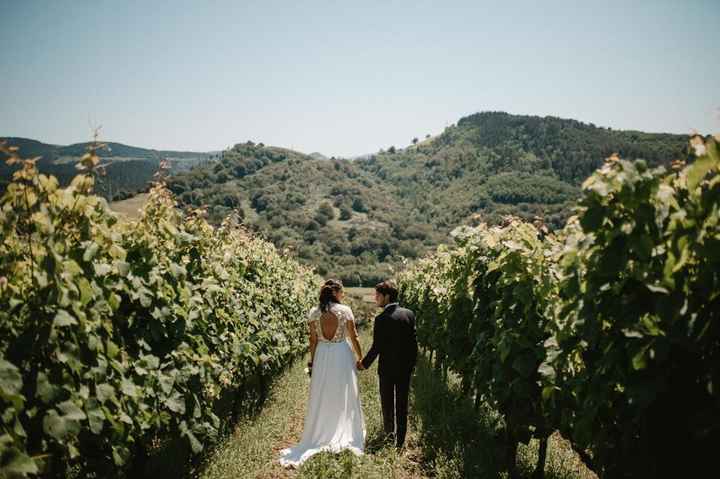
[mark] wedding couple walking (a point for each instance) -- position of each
(334, 419)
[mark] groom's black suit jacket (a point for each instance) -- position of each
(394, 340)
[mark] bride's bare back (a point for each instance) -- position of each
(329, 324)
(333, 326)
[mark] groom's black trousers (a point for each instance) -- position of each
(394, 389)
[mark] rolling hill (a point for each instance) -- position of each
(357, 219)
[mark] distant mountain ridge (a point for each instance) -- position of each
(50, 152)
(129, 169)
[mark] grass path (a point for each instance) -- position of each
(254, 447)
(447, 438)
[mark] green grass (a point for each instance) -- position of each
(130, 207)
(366, 294)
(446, 438)
(253, 447)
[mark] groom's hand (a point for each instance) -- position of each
(359, 365)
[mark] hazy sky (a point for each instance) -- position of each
(348, 77)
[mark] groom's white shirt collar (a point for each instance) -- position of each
(391, 304)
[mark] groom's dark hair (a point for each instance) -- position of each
(387, 287)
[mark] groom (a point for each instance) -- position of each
(394, 341)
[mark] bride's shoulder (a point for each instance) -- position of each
(344, 308)
(314, 313)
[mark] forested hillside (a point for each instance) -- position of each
(330, 213)
(357, 218)
(492, 164)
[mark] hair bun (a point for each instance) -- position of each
(327, 293)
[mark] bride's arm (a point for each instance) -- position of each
(353, 335)
(313, 340)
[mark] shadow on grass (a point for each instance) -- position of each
(377, 441)
(455, 440)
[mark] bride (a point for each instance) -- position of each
(334, 419)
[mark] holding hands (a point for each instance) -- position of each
(359, 365)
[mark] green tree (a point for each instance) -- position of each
(345, 213)
(359, 205)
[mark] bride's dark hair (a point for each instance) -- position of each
(327, 293)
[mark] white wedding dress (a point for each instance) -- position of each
(334, 419)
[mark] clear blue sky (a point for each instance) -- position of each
(347, 78)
